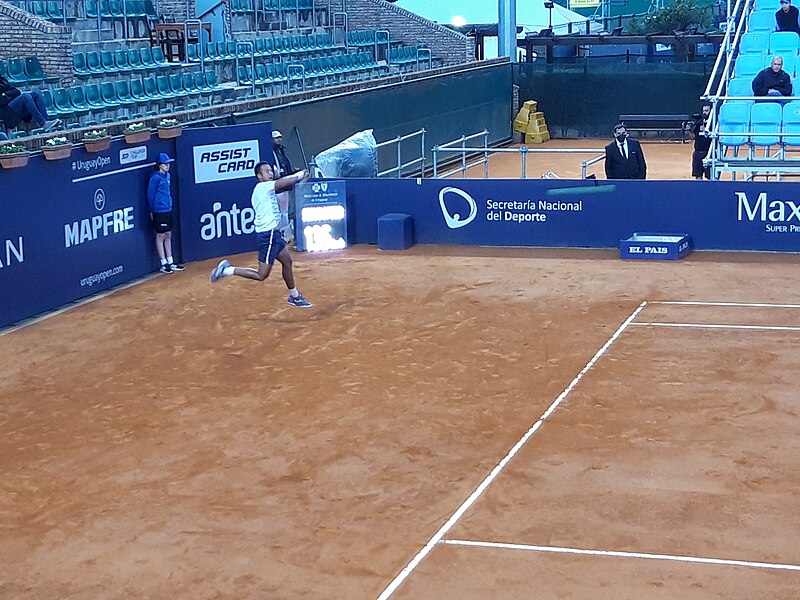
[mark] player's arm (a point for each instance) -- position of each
(285, 183)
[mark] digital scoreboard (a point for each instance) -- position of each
(320, 216)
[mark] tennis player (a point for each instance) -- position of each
(271, 245)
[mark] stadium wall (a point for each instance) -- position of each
(447, 105)
(26, 35)
(451, 46)
(585, 100)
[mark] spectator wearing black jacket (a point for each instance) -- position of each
(773, 81)
(17, 106)
(786, 17)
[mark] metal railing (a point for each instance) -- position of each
(400, 164)
(484, 153)
(248, 49)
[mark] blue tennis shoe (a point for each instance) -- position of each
(219, 270)
(299, 302)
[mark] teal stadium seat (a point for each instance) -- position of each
(151, 89)
(135, 60)
(107, 62)
(93, 97)
(762, 21)
(93, 63)
(189, 85)
(79, 68)
(748, 65)
(162, 83)
(765, 5)
(765, 117)
(121, 60)
(158, 58)
(791, 123)
(754, 43)
(176, 85)
(138, 94)
(109, 96)
(123, 90)
(16, 72)
(734, 122)
(740, 87)
(78, 99)
(783, 42)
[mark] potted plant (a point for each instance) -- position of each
(169, 128)
(96, 140)
(136, 133)
(13, 156)
(56, 148)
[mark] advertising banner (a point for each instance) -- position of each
(75, 227)
(217, 179)
(725, 215)
(321, 215)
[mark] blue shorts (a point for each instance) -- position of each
(270, 244)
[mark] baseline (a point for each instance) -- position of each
(620, 554)
(454, 518)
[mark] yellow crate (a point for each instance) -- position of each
(537, 138)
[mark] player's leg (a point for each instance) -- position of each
(287, 270)
(266, 257)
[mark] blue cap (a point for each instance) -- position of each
(164, 158)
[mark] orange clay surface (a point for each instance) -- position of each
(183, 440)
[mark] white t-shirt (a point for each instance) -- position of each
(265, 203)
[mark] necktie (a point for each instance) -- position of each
(623, 150)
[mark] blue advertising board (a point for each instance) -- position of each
(215, 185)
(74, 227)
(321, 215)
(724, 215)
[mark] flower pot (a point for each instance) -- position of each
(14, 160)
(137, 137)
(57, 152)
(97, 144)
(166, 133)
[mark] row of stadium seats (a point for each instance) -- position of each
(737, 120)
(146, 94)
(58, 12)
(409, 55)
(272, 47)
(316, 71)
(241, 7)
(761, 42)
(119, 62)
(748, 65)
(24, 71)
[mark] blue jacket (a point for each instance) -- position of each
(159, 199)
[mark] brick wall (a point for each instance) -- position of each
(176, 9)
(448, 45)
(25, 35)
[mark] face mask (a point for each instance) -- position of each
(621, 137)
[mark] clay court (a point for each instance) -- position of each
(523, 422)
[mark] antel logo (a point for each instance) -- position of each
(99, 199)
(454, 220)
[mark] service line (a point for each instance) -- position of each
(644, 555)
(720, 326)
(420, 556)
(734, 304)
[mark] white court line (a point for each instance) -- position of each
(390, 589)
(720, 326)
(734, 304)
(676, 558)
(76, 304)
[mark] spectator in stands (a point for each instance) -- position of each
(159, 203)
(17, 106)
(285, 199)
(701, 142)
(786, 17)
(773, 81)
(624, 157)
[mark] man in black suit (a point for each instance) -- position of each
(624, 157)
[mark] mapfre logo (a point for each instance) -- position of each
(221, 162)
(454, 220)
